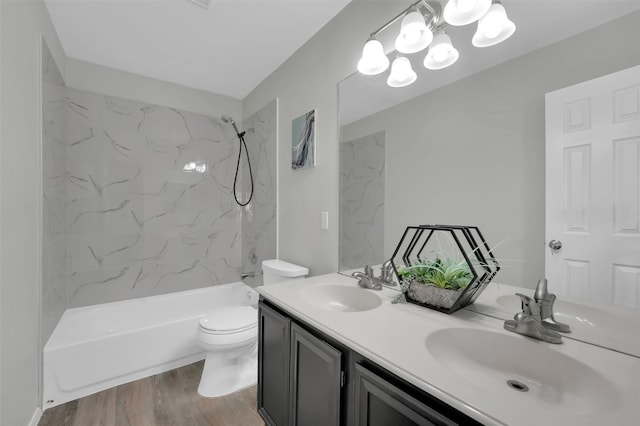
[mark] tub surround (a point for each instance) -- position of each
(259, 217)
(362, 201)
(139, 221)
(394, 336)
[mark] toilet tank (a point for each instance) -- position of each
(277, 271)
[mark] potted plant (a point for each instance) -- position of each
(443, 267)
(437, 282)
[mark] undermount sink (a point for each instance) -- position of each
(531, 369)
(340, 298)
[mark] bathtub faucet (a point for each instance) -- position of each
(247, 275)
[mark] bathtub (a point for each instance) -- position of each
(97, 347)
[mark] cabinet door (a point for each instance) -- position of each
(273, 366)
(379, 403)
(316, 380)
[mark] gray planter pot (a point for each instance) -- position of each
(425, 294)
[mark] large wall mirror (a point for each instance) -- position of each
(467, 146)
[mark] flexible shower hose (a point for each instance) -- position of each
(235, 179)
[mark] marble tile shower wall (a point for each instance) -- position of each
(149, 208)
(362, 165)
(54, 195)
(259, 217)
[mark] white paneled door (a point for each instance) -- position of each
(593, 189)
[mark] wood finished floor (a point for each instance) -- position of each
(167, 399)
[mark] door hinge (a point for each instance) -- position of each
(343, 378)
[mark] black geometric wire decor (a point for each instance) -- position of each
(443, 267)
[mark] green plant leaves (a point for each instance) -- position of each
(442, 272)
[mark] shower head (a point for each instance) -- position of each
(228, 119)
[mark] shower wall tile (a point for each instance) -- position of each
(259, 217)
(139, 221)
(53, 195)
(362, 189)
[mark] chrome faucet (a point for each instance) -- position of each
(366, 279)
(529, 323)
(386, 274)
(545, 300)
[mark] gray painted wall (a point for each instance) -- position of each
(473, 152)
(309, 78)
(20, 265)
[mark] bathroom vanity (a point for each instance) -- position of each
(331, 353)
(307, 378)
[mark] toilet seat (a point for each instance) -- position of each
(229, 320)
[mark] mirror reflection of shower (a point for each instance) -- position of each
(242, 143)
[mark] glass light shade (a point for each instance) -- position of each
(441, 53)
(401, 73)
(414, 35)
(373, 60)
(493, 28)
(463, 12)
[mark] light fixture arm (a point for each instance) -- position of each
(434, 16)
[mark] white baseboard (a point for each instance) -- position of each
(36, 417)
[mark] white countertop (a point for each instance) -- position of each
(394, 336)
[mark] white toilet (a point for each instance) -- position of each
(229, 337)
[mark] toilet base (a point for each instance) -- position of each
(223, 375)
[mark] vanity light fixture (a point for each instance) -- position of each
(463, 12)
(414, 35)
(420, 21)
(493, 27)
(441, 52)
(373, 60)
(401, 73)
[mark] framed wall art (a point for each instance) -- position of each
(303, 141)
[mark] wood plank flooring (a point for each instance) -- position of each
(167, 399)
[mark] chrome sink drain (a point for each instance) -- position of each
(519, 386)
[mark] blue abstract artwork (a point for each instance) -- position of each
(303, 141)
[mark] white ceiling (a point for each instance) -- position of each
(232, 47)
(228, 49)
(538, 24)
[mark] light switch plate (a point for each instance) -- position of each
(324, 220)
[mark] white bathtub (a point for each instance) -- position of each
(97, 347)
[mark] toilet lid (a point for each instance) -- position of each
(230, 319)
(284, 269)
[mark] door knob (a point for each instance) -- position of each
(555, 245)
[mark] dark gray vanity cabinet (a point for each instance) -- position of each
(299, 375)
(381, 403)
(306, 378)
(316, 371)
(274, 331)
